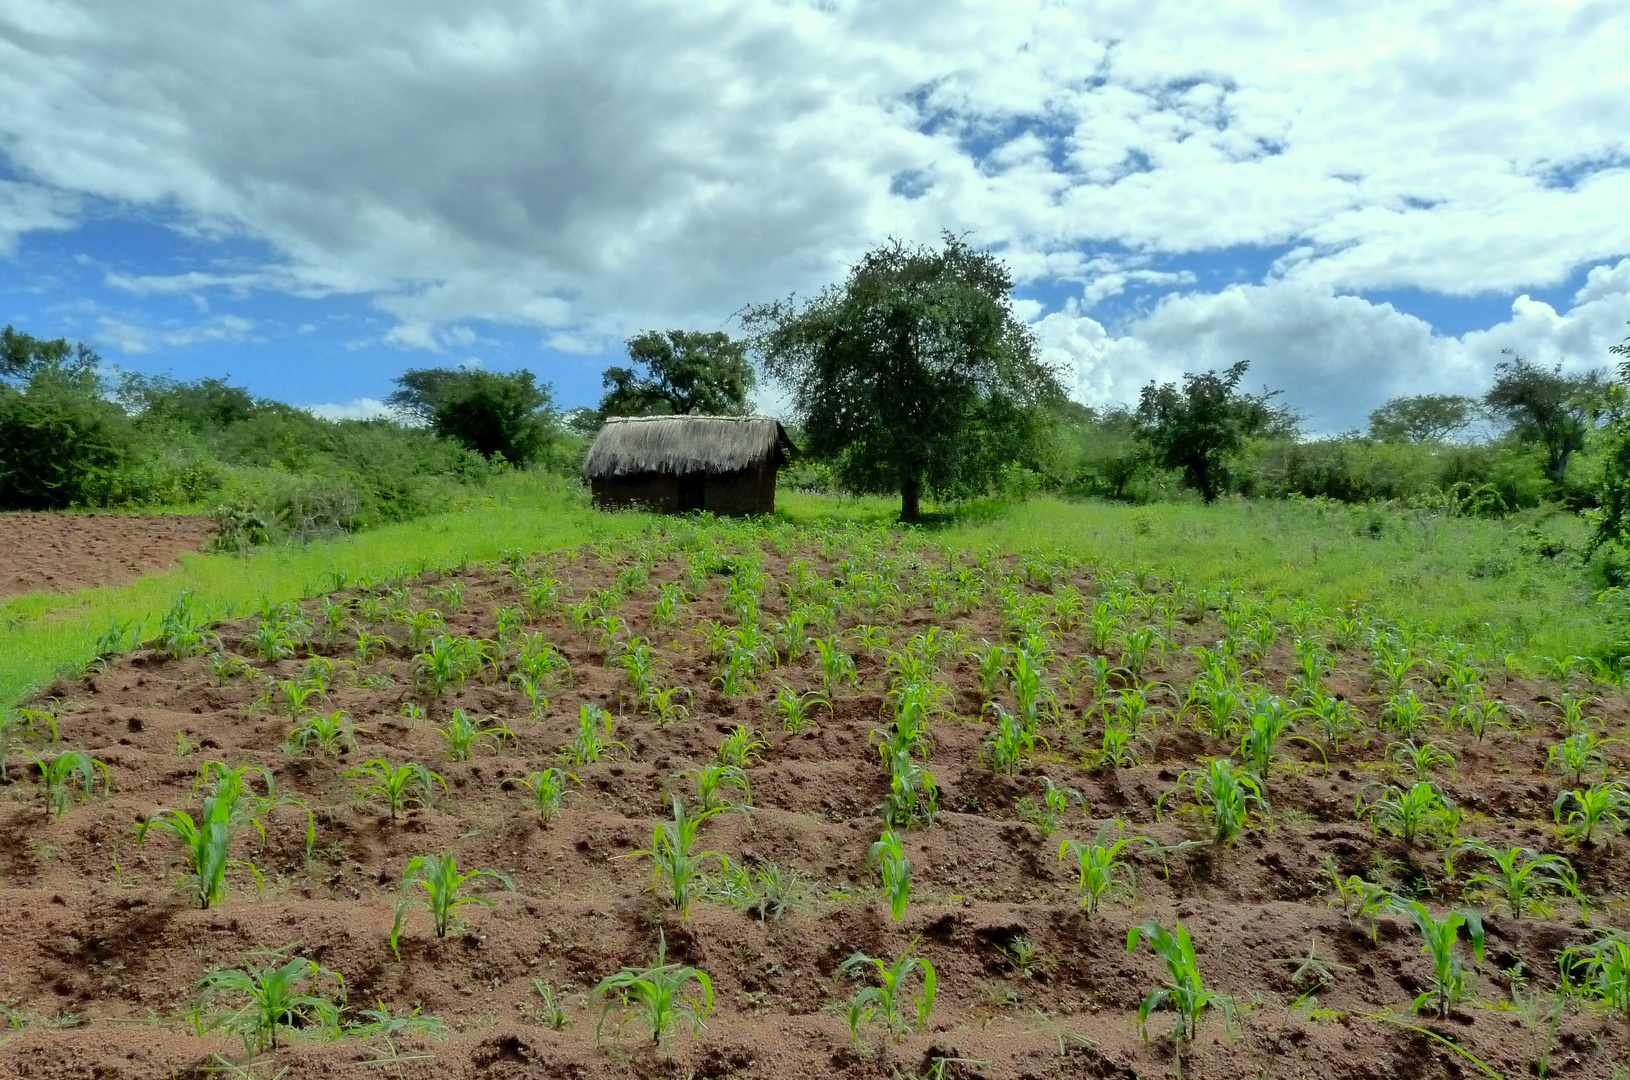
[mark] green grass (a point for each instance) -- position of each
(1468, 578)
(39, 632)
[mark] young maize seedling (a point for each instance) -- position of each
(856, 1012)
(1479, 713)
(380, 1023)
(422, 624)
(1360, 899)
(1395, 672)
(837, 667)
(1438, 942)
(1522, 876)
(547, 790)
(1420, 760)
(1601, 805)
(900, 1011)
(656, 995)
(1406, 713)
(1101, 869)
(510, 622)
(1264, 730)
(797, 711)
(334, 734)
(667, 706)
(208, 838)
(57, 776)
(713, 779)
(741, 747)
(537, 698)
(297, 695)
(1577, 755)
(397, 785)
(888, 855)
(1186, 990)
(1224, 793)
(462, 732)
(1045, 815)
(992, 662)
(439, 876)
(1605, 967)
(1011, 740)
(1423, 812)
(274, 1000)
(224, 667)
(554, 1012)
(674, 856)
(593, 739)
(1136, 645)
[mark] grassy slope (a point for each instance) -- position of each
(1435, 572)
(40, 631)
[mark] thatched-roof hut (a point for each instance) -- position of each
(675, 464)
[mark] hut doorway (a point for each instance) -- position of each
(692, 492)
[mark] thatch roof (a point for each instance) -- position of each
(686, 444)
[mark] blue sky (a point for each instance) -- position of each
(1361, 200)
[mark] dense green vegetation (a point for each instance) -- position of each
(72, 437)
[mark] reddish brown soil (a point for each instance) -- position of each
(104, 952)
(63, 552)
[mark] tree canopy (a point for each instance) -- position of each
(492, 414)
(1201, 425)
(1422, 418)
(914, 374)
(684, 372)
(1544, 406)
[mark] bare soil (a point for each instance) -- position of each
(64, 552)
(104, 950)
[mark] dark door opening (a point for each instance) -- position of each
(692, 492)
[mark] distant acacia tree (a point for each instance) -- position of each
(1422, 418)
(1199, 426)
(492, 414)
(1542, 405)
(684, 372)
(914, 374)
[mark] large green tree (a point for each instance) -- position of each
(684, 371)
(492, 414)
(1199, 427)
(1544, 406)
(1422, 418)
(914, 375)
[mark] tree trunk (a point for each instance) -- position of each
(911, 495)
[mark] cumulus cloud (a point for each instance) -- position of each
(591, 168)
(360, 409)
(1335, 357)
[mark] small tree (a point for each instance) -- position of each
(914, 374)
(1201, 426)
(1547, 407)
(61, 442)
(1423, 418)
(685, 372)
(489, 413)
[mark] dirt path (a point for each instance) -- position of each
(63, 552)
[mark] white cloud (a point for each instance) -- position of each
(592, 169)
(26, 208)
(134, 337)
(360, 409)
(1335, 357)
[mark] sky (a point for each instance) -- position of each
(1362, 199)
